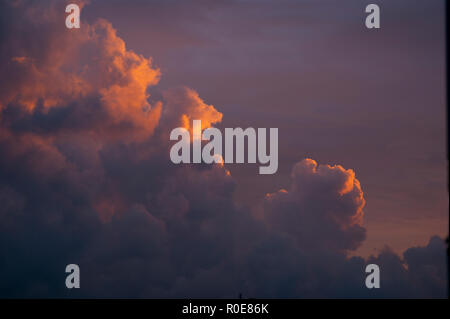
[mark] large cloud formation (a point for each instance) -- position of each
(85, 178)
(330, 200)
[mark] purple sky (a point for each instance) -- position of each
(370, 100)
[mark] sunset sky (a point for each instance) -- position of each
(86, 178)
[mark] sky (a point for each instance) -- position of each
(342, 94)
(86, 178)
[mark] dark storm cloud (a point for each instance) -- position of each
(85, 178)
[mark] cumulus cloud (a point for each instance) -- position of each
(183, 105)
(322, 199)
(87, 75)
(85, 178)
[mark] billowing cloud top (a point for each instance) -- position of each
(322, 199)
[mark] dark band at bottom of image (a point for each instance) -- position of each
(213, 308)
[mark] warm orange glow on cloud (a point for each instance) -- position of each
(106, 85)
(322, 198)
(185, 105)
(120, 76)
(127, 100)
